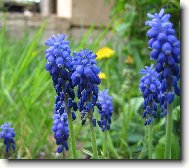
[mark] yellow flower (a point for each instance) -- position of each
(105, 52)
(102, 75)
(129, 60)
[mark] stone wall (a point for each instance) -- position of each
(85, 13)
(88, 12)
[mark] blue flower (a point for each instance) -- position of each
(85, 68)
(106, 110)
(150, 88)
(166, 51)
(85, 76)
(60, 125)
(58, 53)
(7, 133)
(61, 131)
(59, 64)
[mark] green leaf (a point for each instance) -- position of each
(175, 148)
(111, 146)
(176, 113)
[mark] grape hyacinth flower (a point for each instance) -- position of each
(7, 133)
(61, 131)
(85, 77)
(106, 110)
(166, 51)
(150, 88)
(60, 125)
(59, 65)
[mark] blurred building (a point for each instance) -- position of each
(72, 17)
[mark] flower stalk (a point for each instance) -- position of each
(85, 77)
(105, 111)
(166, 52)
(105, 144)
(92, 130)
(150, 137)
(168, 133)
(93, 138)
(71, 129)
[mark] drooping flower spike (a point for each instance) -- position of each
(150, 88)
(59, 65)
(7, 134)
(60, 125)
(86, 77)
(166, 51)
(106, 110)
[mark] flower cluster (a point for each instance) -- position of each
(85, 76)
(59, 65)
(68, 72)
(7, 133)
(166, 51)
(150, 88)
(106, 110)
(60, 125)
(58, 53)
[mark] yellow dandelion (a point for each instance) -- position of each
(129, 60)
(105, 52)
(102, 75)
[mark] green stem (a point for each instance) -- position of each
(93, 136)
(105, 144)
(72, 136)
(63, 156)
(168, 133)
(92, 130)
(150, 135)
(70, 125)
(140, 156)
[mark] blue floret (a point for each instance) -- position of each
(150, 88)
(105, 101)
(7, 134)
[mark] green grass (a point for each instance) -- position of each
(23, 91)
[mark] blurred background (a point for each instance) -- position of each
(71, 17)
(115, 31)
